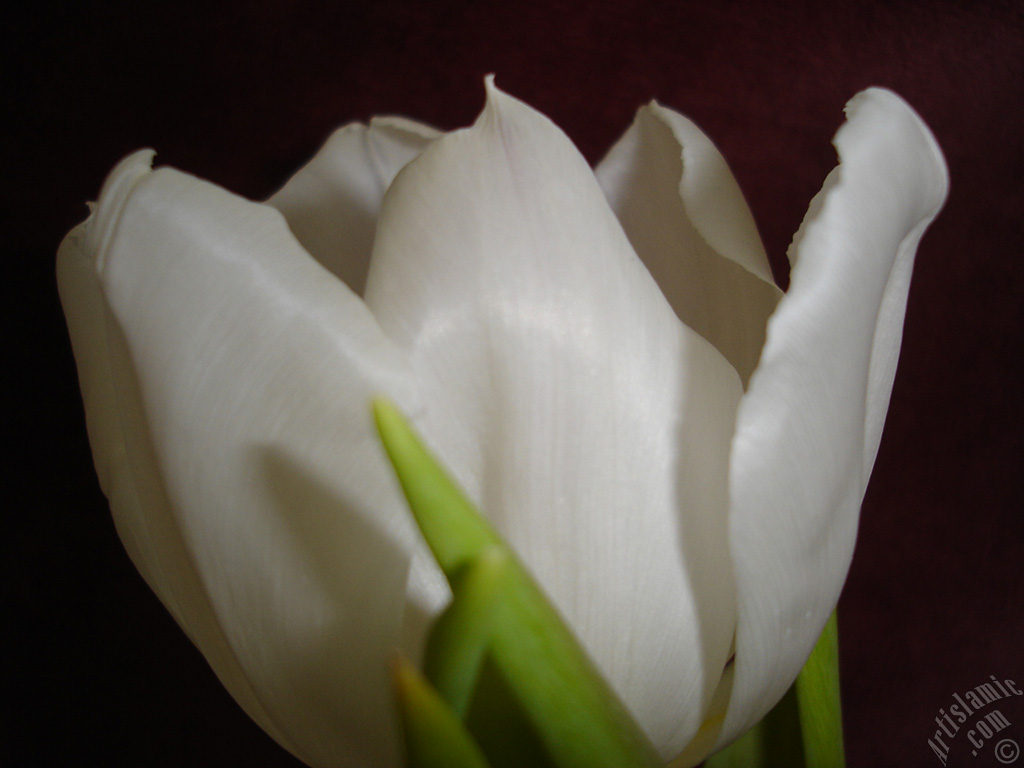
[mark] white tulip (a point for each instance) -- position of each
(677, 450)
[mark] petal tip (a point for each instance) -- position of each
(494, 95)
(114, 194)
(882, 104)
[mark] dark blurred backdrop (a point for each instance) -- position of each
(242, 93)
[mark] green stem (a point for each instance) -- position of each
(821, 712)
(805, 729)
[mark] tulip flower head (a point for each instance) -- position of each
(674, 449)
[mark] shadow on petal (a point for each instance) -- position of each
(359, 571)
(705, 424)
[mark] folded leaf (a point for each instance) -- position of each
(461, 635)
(434, 735)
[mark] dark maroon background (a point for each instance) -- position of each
(243, 92)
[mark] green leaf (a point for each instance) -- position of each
(806, 727)
(434, 735)
(565, 702)
(453, 529)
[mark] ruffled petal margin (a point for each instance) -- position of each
(808, 428)
(686, 217)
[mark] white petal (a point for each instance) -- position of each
(127, 469)
(688, 221)
(809, 425)
(228, 380)
(591, 425)
(332, 203)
